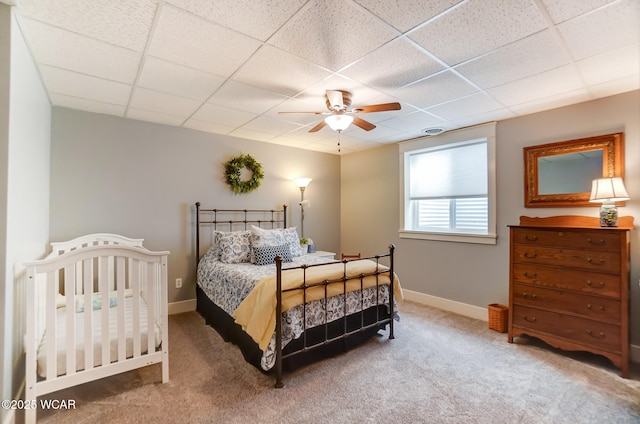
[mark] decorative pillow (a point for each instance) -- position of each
(214, 251)
(293, 240)
(235, 247)
(266, 255)
(261, 237)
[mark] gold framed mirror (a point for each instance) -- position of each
(560, 174)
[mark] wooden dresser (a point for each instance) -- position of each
(569, 284)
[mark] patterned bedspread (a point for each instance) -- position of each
(227, 285)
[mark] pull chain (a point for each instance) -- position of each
(339, 132)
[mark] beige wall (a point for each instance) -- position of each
(478, 274)
(141, 179)
(25, 124)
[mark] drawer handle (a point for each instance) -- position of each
(534, 275)
(533, 296)
(533, 319)
(590, 260)
(589, 283)
(532, 238)
(592, 334)
(601, 241)
(530, 255)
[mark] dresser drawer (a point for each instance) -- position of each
(568, 279)
(591, 240)
(592, 307)
(588, 260)
(586, 332)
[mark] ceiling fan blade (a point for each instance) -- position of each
(377, 108)
(318, 127)
(314, 113)
(335, 100)
(365, 125)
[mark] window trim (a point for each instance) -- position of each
(463, 136)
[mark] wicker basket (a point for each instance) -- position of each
(498, 317)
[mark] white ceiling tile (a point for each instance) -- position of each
(266, 125)
(439, 88)
(223, 115)
(179, 80)
(62, 81)
(87, 105)
(531, 55)
(605, 29)
(465, 106)
(611, 88)
(329, 33)
(491, 116)
(415, 121)
(555, 101)
(151, 116)
(406, 14)
(537, 87)
(250, 134)
(64, 49)
(194, 42)
(214, 66)
(280, 72)
(395, 64)
(155, 101)
(563, 10)
(209, 127)
(478, 27)
(258, 19)
(611, 66)
(246, 97)
(124, 23)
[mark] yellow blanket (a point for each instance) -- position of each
(257, 312)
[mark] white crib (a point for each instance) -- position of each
(96, 306)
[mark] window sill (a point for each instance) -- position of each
(451, 237)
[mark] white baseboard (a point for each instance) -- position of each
(181, 307)
(476, 312)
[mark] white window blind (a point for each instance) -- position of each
(448, 186)
(449, 172)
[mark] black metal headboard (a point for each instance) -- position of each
(237, 219)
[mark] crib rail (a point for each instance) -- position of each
(104, 305)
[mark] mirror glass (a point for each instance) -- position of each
(569, 172)
(560, 174)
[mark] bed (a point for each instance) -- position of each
(96, 306)
(252, 274)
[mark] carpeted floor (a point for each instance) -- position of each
(441, 368)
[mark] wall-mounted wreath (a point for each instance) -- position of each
(233, 174)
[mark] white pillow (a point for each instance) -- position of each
(292, 238)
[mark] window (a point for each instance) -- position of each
(449, 187)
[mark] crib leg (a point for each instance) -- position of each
(30, 416)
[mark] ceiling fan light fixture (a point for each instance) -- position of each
(338, 122)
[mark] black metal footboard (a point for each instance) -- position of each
(347, 330)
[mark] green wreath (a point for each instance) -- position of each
(233, 174)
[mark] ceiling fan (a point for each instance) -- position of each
(340, 116)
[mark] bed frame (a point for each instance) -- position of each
(79, 269)
(326, 340)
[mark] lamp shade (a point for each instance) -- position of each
(608, 190)
(338, 122)
(302, 181)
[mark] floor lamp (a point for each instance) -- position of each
(302, 183)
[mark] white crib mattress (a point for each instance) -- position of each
(61, 353)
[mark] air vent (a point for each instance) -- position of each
(433, 131)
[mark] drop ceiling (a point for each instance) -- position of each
(229, 66)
